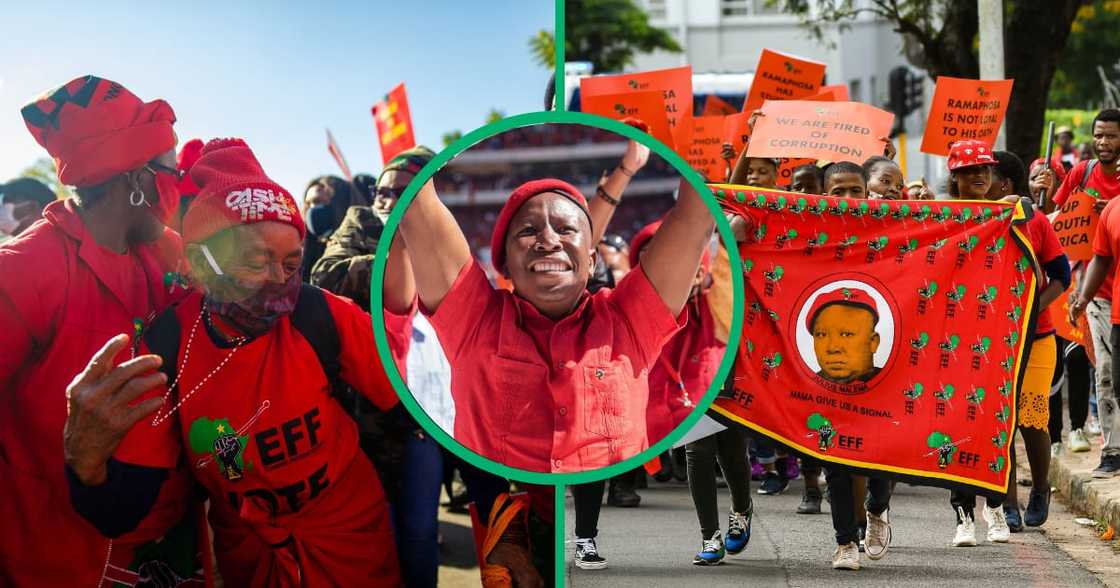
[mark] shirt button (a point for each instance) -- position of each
(599, 374)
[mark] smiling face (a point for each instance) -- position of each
(973, 182)
(549, 253)
(845, 342)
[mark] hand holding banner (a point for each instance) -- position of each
(783, 77)
(394, 124)
(835, 131)
(965, 109)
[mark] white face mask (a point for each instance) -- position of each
(8, 221)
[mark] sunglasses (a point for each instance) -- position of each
(387, 192)
(157, 167)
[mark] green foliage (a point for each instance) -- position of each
(1093, 41)
(542, 46)
(1080, 121)
(609, 33)
(45, 171)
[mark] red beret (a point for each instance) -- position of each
(970, 153)
(95, 129)
(234, 190)
(642, 238)
(846, 296)
(188, 155)
(519, 197)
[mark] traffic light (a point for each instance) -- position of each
(914, 91)
(905, 88)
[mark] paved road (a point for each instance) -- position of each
(653, 545)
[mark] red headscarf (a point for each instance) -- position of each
(95, 129)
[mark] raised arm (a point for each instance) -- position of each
(429, 229)
(674, 253)
(609, 192)
(400, 284)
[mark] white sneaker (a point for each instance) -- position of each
(846, 557)
(966, 531)
(1055, 450)
(998, 531)
(1092, 426)
(878, 539)
(1077, 441)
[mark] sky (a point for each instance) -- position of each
(278, 73)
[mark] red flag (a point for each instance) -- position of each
(336, 153)
(888, 336)
(394, 124)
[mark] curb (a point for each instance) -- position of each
(1096, 498)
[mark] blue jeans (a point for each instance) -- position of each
(415, 516)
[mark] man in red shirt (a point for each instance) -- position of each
(549, 378)
(1099, 178)
(95, 266)
(293, 501)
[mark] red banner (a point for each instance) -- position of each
(394, 124)
(783, 77)
(964, 109)
(834, 131)
(884, 335)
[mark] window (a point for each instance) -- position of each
(747, 7)
(656, 9)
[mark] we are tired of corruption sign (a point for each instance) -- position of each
(884, 335)
(834, 131)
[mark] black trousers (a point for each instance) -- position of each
(966, 500)
(843, 502)
(588, 501)
(1079, 378)
(729, 448)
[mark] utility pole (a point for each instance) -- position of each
(991, 48)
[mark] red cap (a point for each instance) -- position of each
(970, 153)
(95, 129)
(519, 197)
(847, 296)
(1058, 169)
(188, 155)
(641, 239)
(234, 190)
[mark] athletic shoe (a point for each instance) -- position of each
(793, 470)
(1077, 441)
(1013, 518)
(738, 531)
(1092, 426)
(862, 538)
(878, 539)
(998, 531)
(966, 530)
(587, 555)
(1055, 450)
(772, 484)
(1110, 464)
(712, 553)
(846, 557)
(810, 501)
(1038, 507)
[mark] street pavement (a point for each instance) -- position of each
(653, 545)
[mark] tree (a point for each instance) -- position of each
(1093, 41)
(451, 137)
(494, 116)
(609, 33)
(45, 171)
(941, 38)
(543, 48)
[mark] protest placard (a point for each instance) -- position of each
(394, 124)
(965, 109)
(836, 131)
(783, 77)
(716, 106)
(649, 107)
(1076, 224)
(704, 153)
(674, 84)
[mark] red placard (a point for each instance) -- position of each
(835, 131)
(783, 77)
(648, 106)
(394, 124)
(840, 91)
(965, 109)
(889, 336)
(716, 106)
(1076, 225)
(674, 84)
(705, 148)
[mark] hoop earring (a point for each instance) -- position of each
(133, 201)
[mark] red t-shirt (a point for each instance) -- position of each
(1107, 187)
(553, 396)
(270, 445)
(1046, 247)
(1107, 243)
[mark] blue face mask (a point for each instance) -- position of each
(320, 220)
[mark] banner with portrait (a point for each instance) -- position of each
(890, 336)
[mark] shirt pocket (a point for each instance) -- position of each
(514, 410)
(604, 392)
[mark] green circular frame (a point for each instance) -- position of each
(377, 279)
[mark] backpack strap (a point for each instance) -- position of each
(1088, 170)
(312, 318)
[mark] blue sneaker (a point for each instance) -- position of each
(738, 531)
(712, 553)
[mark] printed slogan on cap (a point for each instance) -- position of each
(887, 336)
(965, 109)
